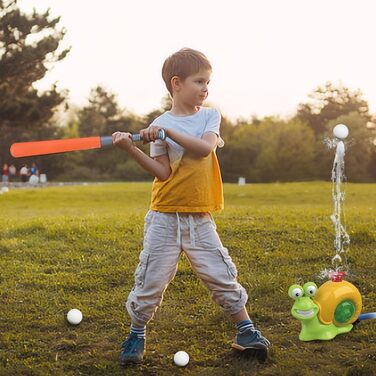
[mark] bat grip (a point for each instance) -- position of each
(106, 141)
(161, 136)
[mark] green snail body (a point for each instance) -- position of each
(325, 312)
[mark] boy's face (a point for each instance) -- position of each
(194, 89)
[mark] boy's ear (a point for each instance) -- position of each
(175, 83)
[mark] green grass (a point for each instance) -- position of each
(69, 247)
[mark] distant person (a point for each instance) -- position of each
(24, 173)
(12, 172)
(186, 189)
(5, 174)
(34, 169)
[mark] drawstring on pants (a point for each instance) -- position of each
(191, 231)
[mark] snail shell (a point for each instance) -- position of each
(340, 303)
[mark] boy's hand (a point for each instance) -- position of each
(123, 140)
(150, 134)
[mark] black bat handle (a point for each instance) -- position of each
(106, 141)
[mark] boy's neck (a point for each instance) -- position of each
(183, 109)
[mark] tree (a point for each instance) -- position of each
(270, 150)
(328, 102)
(28, 46)
(166, 104)
(102, 111)
(102, 117)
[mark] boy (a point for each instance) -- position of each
(186, 188)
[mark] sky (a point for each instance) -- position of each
(267, 56)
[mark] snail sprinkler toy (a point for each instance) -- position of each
(324, 312)
(333, 308)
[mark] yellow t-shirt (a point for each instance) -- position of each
(195, 184)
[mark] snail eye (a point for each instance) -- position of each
(310, 289)
(296, 293)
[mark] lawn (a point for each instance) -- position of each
(78, 247)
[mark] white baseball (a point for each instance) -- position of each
(74, 316)
(181, 358)
(341, 131)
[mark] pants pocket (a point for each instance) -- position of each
(206, 236)
(231, 268)
(148, 216)
(147, 221)
(139, 276)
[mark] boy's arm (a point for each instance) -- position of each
(200, 147)
(158, 167)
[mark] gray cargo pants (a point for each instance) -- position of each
(165, 236)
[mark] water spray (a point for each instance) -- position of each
(333, 308)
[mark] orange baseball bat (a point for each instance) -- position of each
(31, 148)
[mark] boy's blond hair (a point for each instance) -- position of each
(183, 63)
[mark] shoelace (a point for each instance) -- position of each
(259, 337)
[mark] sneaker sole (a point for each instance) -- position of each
(130, 361)
(254, 347)
(261, 353)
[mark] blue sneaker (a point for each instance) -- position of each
(132, 349)
(251, 339)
